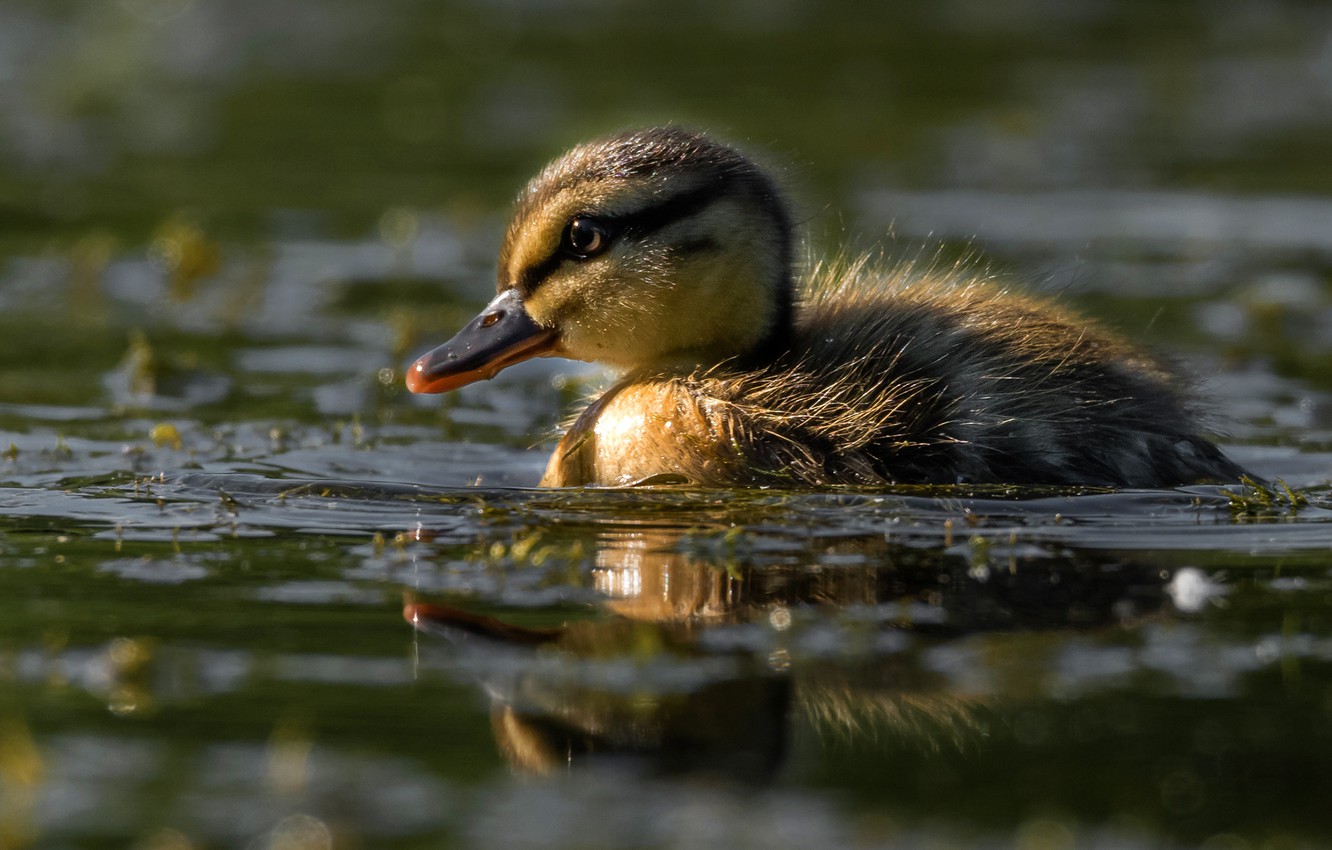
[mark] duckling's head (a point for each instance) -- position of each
(653, 249)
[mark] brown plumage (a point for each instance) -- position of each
(669, 255)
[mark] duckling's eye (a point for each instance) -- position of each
(586, 237)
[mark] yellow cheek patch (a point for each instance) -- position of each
(546, 305)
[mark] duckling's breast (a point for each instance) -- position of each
(641, 431)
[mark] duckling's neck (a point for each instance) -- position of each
(757, 351)
(780, 335)
(781, 332)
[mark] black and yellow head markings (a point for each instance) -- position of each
(656, 248)
(590, 234)
(636, 184)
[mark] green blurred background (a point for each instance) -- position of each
(116, 113)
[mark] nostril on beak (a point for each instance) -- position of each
(491, 318)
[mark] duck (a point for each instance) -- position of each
(671, 257)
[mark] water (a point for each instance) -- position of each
(253, 594)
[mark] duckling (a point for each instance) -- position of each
(671, 256)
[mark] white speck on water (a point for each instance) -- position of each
(1191, 589)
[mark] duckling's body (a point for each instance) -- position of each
(669, 255)
(930, 381)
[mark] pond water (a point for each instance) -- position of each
(254, 594)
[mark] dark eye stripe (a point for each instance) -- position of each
(533, 276)
(634, 225)
(697, 246)
(646, 221)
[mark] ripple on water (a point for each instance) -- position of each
(151, 570)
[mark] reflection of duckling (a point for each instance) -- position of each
(659, 681)
(669, 255)
(546, 717)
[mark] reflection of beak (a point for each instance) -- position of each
(504, 334)
(455, 622)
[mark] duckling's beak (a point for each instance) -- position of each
(502, 335)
